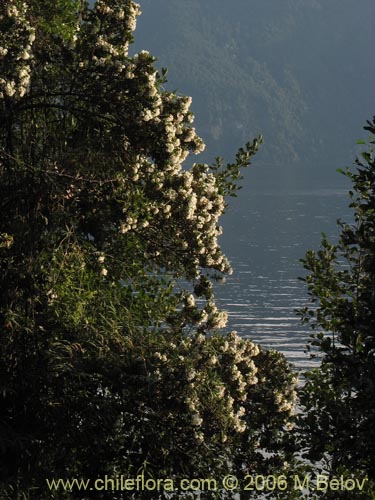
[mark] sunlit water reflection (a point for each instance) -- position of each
(264, 238)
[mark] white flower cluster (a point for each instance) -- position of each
(118, 21)
(192, 198)
(185, 204)
(126, 14)
(242, 372)
(236, 358)
(16, 41)
(285, 399)
(179, 136)
(216, 318)
(190, 301)
(203, 364)
(181, 204)
(109, 54)
(134, 10)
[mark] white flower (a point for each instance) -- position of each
(192, 206)
(221, 391)
(212, 360)
(104, 272)
(221, 319)
(32, 36)
(236, 374)
(200, 339)
(124, 228)
(190, 300)
(25, 55)
(147, 115)
(199, 436)
(241, 411)
(10, 89)
(190, 135)
(162, 357)
(196, 420)
(240, 426)
(12, 11)
(24, 74)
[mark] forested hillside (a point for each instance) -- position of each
(298, 71)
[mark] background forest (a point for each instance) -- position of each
(297, 71)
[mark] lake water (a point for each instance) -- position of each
(264, 238)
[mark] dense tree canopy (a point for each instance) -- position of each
(339, 419)
(109, 352)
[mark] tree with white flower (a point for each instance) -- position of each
(110, 358)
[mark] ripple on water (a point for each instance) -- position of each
(272, 233)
